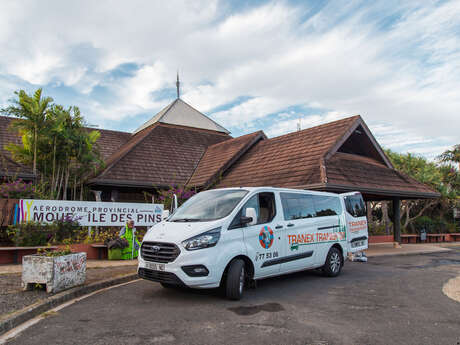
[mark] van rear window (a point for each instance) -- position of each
(355, 205)
(327, 205)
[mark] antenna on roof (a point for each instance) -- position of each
(178, 84)
(299, 124)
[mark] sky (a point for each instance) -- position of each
(249, 65)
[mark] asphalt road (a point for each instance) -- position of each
(389, 300)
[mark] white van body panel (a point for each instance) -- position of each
(279, 246)
(357, 227)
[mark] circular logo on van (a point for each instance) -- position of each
(266, 237)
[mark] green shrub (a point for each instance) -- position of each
(424, 223)
(29, 234)
(377, 230)
(36, 234)
(54, 253)
(64, 229)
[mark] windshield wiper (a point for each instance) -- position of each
(186, 220)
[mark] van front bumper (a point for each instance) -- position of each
(182, 271)
(159, 276)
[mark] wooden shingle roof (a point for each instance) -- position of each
(339, 156)
(292, 160)
(159, 155)
(347, 171)
(219, 157)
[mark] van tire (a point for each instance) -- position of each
(334, 263)
(234, 283)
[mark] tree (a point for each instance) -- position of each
(59, 146)
(32, 111)
(451, 155)
(426, 172)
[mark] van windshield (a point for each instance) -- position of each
(209, 205)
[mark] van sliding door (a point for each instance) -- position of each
(329, 229)
(299, 222)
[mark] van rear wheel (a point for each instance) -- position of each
(234, 284)
(334, 263)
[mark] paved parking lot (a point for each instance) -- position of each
(389, 300)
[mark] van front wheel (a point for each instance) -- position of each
(234, 284)
(334, 263)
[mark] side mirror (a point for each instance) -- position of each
(250, 213)
(245, 220)
(173, 203)
(165, 214)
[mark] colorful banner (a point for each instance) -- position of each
(88, 213)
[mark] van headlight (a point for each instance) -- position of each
(204, 240)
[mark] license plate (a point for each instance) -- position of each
(154, 266)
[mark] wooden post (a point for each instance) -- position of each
(396, 220)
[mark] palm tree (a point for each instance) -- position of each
(31, 111)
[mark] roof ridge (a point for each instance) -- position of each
(242, 136)
(196, 129)
(107, 130)
(318, 126)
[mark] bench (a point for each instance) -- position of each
(410, 238)
(435, 237)
(454, 237)
(15, 251)
(100, 250)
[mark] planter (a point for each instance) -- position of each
(58, 273)
(115, 254)
(381, 238)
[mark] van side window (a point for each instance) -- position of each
(297, 206)
(263, 203)
(355, 205)
(327, 205)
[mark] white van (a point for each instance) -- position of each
(229, 237)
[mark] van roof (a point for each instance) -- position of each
(252, 189)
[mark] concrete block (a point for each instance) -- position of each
(57, 273)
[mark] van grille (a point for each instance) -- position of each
(159, 276)
(159, 252)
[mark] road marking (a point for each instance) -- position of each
(17, 330)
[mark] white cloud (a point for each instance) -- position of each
(396, 64)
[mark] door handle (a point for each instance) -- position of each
(290, 224)
(278, 227)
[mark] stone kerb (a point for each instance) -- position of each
(57, 273)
